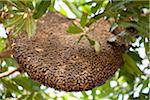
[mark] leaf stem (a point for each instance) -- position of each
(9, 72)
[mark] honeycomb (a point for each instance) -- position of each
(53, 58)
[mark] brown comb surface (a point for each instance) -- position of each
(53, 58)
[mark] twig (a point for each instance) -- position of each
(6, 53)
(9, 73)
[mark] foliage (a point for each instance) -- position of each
(22, 14)
(131, 78)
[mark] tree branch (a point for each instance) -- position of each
(9, 73)
(6, 53)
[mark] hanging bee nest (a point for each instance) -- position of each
(53, 58)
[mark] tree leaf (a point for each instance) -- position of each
(126, 74)
(2, 43)
(131, 64)
(145, 83)
(51, 8)
(27, 83)
(10, 85)
(147, 48)
(129, 24)
(28, 3)
(73, 8)
(85, 96)
(135, 56)
(98, 5)
(74, 29)
(92, 42)
(41, 8)
(63, 11)
(19, 27)
(30, 97)
(84, 19)
(30, 26)
(39, 96)
(12, 21)
(10, 61)
(94, 93)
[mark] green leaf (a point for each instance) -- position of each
(94, 93)
(28, 3)
(2, 43)
(112, 9)
(12, 21)
(8, 93)
(10, 62)
(84, 19)
(27, 83)
(104, 4)
(51, 8)
(19, 27)
(98, 6)
(63, 11)
(16, 4)
(87, 9)
(147, 48)
(126, 74)
(74, 29)
(41, 8)
(145, 83)
(92, 42)
(129, 24)
(93, 19)
(39, 96)
(85, 96)
(4, 69)
(73, 8)
(131, 65)
(132, 39)
(10, 85)
(30, 97)
(135, 56)
(30, 26)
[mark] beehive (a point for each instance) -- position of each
(53, 58)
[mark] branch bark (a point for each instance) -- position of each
(6, 53)
(9, 72)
